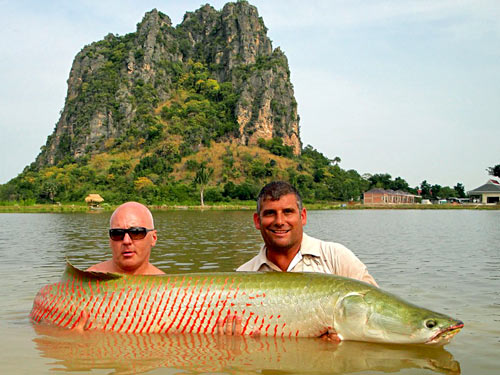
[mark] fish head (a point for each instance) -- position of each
(381, 317)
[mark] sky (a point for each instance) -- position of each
(405, 87)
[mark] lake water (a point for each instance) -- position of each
(448, 261)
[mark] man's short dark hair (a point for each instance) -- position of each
(275, 190)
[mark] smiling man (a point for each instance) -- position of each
(280, 217)
(132, 235)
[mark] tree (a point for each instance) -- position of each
(336, 160)
(49, 190)
(425, 188)
(203, 175)
(435, 191)
(460, 189)
(380, 180)
(494, 171)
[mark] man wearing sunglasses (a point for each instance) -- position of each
(131, 237)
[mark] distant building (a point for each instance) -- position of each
(487, 193)
(381, 196)
(94, 200)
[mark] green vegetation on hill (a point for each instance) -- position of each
(160, 174)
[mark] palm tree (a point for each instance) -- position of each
(202, 178)
(336, 160)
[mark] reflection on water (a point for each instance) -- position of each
(131, 354)
(444, 260)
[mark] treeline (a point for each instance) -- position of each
(164, 176)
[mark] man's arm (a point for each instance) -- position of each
(349, 265)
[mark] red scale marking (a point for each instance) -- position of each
(193, 307)
(173, 303)
(201, 307)
(50, 305)
(209, 319)
(76, 322)
(221, 291)
(137, 309)
(144, 306)
(82, 288)
(123, 306)
(54, 320)
(176, 296)
(68, 310)
(76, 310)
(79, 317)
(99, 308)
(52, 311)
(163, 312)
(112, 310)
(180, 307)
(158, 307)
(39, 308)
(131, 303)
(42, 308)
(220, 312)
(236, 291)
(246, 323)
(93, 305)
(78, 290)
(217, 305)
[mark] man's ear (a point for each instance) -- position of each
(256, 220)
(154, 238)
(303, 216)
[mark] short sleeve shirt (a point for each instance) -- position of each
(317, 256)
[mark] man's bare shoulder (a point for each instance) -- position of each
(106, 266)
(153, 270)
(109, 266)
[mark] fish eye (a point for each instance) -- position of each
(431, 323)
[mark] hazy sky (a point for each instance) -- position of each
(409, 88)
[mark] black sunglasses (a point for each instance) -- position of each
(135, 233)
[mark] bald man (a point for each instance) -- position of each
(132, 235)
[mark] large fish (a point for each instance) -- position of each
(273, 304)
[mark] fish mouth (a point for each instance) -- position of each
(445, 335)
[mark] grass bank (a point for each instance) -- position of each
(241, 205)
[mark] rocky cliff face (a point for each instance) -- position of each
(117, 85)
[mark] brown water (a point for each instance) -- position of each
(448, 261)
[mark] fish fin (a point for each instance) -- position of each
(354, 307)
(72, 272)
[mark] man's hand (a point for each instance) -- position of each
(83, 323)
(232, 326)
(229, 326)
(331, 336)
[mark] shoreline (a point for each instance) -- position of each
(67, 207)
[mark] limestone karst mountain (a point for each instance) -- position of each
(213, 77)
